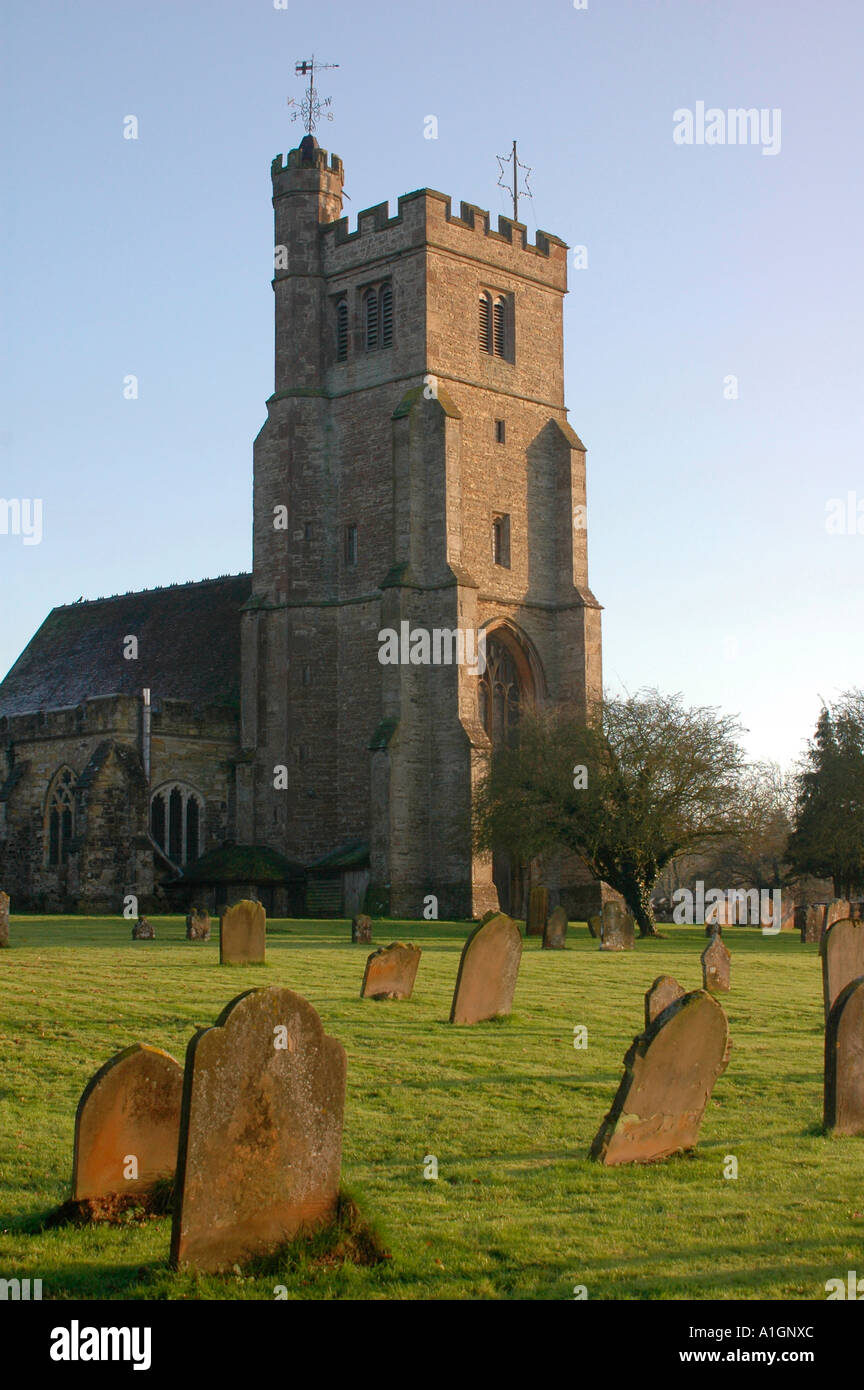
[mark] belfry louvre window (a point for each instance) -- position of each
(350, 545)
(486, 322)
(370, 318)
(494, 325)
(342, 330)
(378, 317)
(386, 307)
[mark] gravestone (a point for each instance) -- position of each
(669, 1074)
(390, 972)
(617, 933)
(842, 952)
(844, 1062)
(243, 934)
(808, 920)
(787, 912)
(838, 910)
(486, 981)
(716, 962)
(361, 930)
(143, 930)
(664, 991)
(487, 916)
(595, 925)
(4, 919)
(127, 1124)
(198, 925)
(716, 917)
(555, 931)
(260, 1132)
(538, 911)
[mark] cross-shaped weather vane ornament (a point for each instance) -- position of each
(311, 108)
(512, 187)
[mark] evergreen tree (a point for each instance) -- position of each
(828, 839)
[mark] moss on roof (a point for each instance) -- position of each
(242, 864)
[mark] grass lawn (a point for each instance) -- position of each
(508, 1108)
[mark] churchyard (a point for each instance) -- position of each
(506, 1111)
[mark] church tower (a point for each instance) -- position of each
(416, 474)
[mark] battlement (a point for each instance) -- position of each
(471, 218)
(305, 160)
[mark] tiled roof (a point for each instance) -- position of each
(188, 649)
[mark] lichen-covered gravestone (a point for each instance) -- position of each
(842, 952)
(4, 919)
(361, 930)
(538, 911)
(618, 928)
(143, 930)
(488, 970)
(243, 934)
(390, 972)
(198, 925)
(669, 1074)
(716, 962)
(127, 1124)
(844, 1062)
(664, 991)
(261, 1130)
(555, 931)
(808, 921)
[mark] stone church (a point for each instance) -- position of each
(415, 476)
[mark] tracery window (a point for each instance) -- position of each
(60, 816)
(176, 821)
(501, 697)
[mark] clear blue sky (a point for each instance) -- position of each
(707, 516)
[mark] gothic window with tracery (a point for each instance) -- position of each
(176, 820)
(61, 816)
(500, 693)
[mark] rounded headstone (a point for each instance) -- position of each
(127, 1124)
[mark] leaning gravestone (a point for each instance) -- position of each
(361, 930)
(127, 1124)
(243, 934)
(260, 1133)
(486, 981)
(618, 928)
(538, 911)
(143, 930)
(555, 931)
(669, 1074)
(664, 991)
(198, 925)
(4, 920)
(842, 952)
(844, 1062)
(808, 921)
(390, 972)
(716, 966)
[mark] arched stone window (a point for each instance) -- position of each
(176, 821)
(495, 324)
(60, 816)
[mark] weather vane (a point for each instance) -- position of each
(513, 188)
(311, 108)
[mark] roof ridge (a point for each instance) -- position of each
(157, 589)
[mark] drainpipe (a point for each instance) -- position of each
(145, 736)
